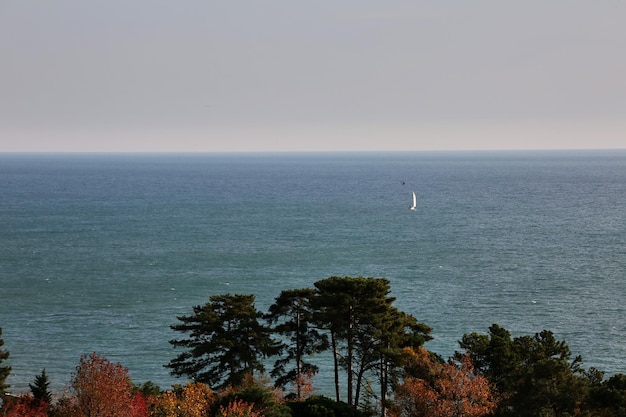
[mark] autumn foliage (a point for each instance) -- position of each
(26, 406)
(434, 389)
(192, 400)
(303, 385)
(238, 408)
(101, 389)
(525, 376)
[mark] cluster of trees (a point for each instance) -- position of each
(537, 376)
(380, 366)
(352, 318)
(100, 388)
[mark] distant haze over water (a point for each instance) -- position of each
(101, 252)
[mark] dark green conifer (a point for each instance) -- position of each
(41, 388)
(226, 342)
(608, 398)
(292, 316)
(364, 325)
(534, 375)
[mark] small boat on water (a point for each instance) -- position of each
(412, 206)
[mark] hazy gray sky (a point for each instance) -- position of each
(163, 75)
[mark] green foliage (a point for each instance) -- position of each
(319, 406)
(369, 331)
(262, 398)
(40, 388)
(149, 389)
(608, 398)
(4, 370)
(226, 341)
(534, 375)
(493, 355)
(292, 316)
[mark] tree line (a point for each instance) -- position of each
(380, 365)
(352, 318)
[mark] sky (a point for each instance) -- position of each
(341, 75)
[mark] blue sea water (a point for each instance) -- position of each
(102, 252)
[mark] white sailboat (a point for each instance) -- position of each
(412, 206)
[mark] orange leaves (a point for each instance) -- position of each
(104, 389)
(415, 398)
(442, 389)
(193, 400)
(26, 406)
(304, 385)
(238, 408)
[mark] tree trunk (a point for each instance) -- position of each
(384, 373)
(359, 380)
(336, 363)
(298, 359)
(350, 341)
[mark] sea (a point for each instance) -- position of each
(102, 252)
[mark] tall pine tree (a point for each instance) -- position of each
(365, 327)
(226, 341)
(292, 317)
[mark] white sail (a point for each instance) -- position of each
(412, 206)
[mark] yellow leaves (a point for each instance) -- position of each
(194, 400)
(165, 405)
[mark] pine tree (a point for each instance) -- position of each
(362, 322)
(226, 341)
(293, 315)
(533, 374)
(41, 388)
(4, 370)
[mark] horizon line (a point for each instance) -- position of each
(312, 151)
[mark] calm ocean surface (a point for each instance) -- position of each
(102, 252)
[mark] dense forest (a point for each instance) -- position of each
(240, 361)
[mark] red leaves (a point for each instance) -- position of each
(26, 406)
(138, 405)
(443, 389)
(104, 389)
